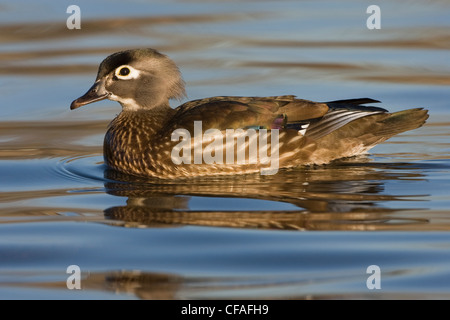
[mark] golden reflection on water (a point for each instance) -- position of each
(328, 198)
(44, 139)
(29, 62)
(167, 286)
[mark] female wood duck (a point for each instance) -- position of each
(201, 137)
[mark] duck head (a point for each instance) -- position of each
(137, 79)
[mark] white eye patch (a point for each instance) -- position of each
(126, 72)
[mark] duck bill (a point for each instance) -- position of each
(96, 93)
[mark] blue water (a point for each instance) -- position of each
(306, 233)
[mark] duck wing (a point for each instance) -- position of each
(228, 112)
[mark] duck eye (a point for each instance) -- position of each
(124, 71)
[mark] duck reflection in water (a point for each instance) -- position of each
(343, 196)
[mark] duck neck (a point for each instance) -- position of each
(147, 121)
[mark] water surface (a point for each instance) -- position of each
(305, 233)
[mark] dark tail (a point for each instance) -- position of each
(355, 104)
